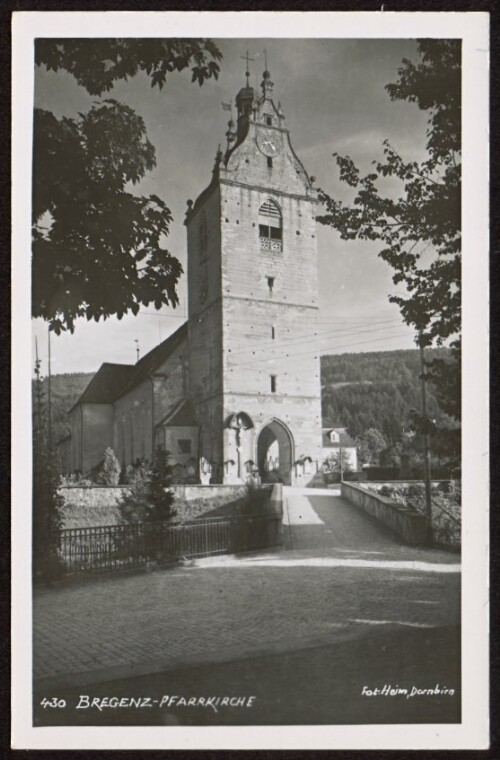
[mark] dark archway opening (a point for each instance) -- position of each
(275, 453)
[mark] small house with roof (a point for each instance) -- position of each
(338, 443)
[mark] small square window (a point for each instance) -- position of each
(269, 162)
(184, 445)
(269, 121)
(270, 284)
(273, 383)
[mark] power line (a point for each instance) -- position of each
(280, 343)
(322, 350)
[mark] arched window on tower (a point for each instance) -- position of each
(270, 226)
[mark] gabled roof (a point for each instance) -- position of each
(180, 416)
(154, 359)
(112, 381)
(345, 439)
(106, 384)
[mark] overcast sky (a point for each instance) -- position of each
(332, 93)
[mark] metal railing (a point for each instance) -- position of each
(122, 547)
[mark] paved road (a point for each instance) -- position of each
(314, 686)
(342, 578)
(316, 519)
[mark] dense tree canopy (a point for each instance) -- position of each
(102, 253)
(97, 64)
(370, 444)
(98, 249)
(377, 390)
(420, 229)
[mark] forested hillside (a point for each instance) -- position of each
(375, 390)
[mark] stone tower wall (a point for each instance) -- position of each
(205, 324)
(257, 317)
(252, 315)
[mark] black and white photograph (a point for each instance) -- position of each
(250, 288)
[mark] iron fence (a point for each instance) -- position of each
(115, 547)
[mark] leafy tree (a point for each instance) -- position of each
(97, 64)
(370, 444)
(110, 471)
(424, 221)
(332, 463)
(97, 248)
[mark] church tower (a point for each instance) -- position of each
(254, 372)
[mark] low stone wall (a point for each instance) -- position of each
(98, 505)
(378, 484)
(91, 506)
(192, 501)
(405, 522)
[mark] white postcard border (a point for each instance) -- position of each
(473, 29)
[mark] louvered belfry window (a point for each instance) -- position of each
(270, 226)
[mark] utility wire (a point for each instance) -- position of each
(282, 343)
(323, 350)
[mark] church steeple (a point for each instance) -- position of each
(244, 103)
(252, 274)
(267, 85)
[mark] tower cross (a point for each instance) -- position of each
(247, 72)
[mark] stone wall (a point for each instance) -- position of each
(98, 505)
(192, 501)
(91, 506)
(378, 484)
(405, 522)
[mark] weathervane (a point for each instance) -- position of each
(247, 72)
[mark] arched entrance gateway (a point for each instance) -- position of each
(275, 453)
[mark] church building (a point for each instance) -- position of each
(235, 392)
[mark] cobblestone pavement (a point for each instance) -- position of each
(345, 577)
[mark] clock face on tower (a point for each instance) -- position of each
(267, 140)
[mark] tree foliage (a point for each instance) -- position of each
(103, 253)
(98, 249)
(420, 230)
(47, 501)
(370, 444)
(377, 390)
(150, 498)
(97, 64)
(110, 470)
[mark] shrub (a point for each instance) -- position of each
(149, 498)
(386, 491)
(47, 514)
(109, 474)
